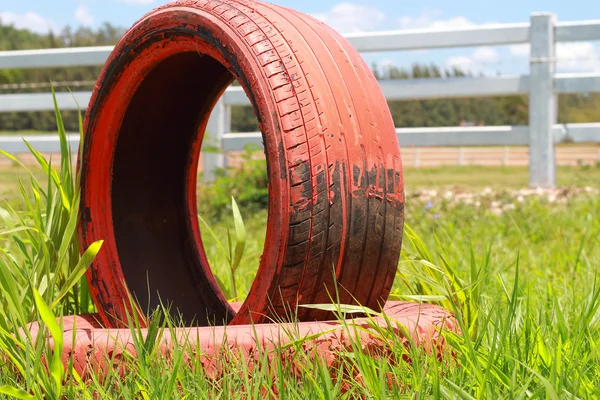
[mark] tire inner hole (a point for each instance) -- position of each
(153, 225)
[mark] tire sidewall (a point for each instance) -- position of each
(109, 102)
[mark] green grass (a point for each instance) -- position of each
(519, 273)
(466, 178)
(474, 177)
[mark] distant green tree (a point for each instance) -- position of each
(21, 39)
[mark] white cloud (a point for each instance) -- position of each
(136, 1)
(384, 65)
(386, 62)
(83, 16)
(578, 56)
(521, 50)
(29, 20)
(431, 19)
(486, 55)
(476, 62)
(456, 22)
(571, 57)
(349, 17)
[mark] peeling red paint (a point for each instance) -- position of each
(336, 209)
(94, 350)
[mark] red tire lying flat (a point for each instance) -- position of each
(92, 351)
(335, 176)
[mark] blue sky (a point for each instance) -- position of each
(360, 15)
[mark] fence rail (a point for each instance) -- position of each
(407, 137)
(542, 85)
(401, 89)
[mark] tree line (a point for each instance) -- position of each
(506, 110)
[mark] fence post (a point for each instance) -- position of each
(542, 101)
(226, 129)
(417, 159)
(213, 137)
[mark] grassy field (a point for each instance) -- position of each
(467, 177)
(475, 177)
(518, 269)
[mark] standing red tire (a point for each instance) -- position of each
(336, 197)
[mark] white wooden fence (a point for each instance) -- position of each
(542, 85)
